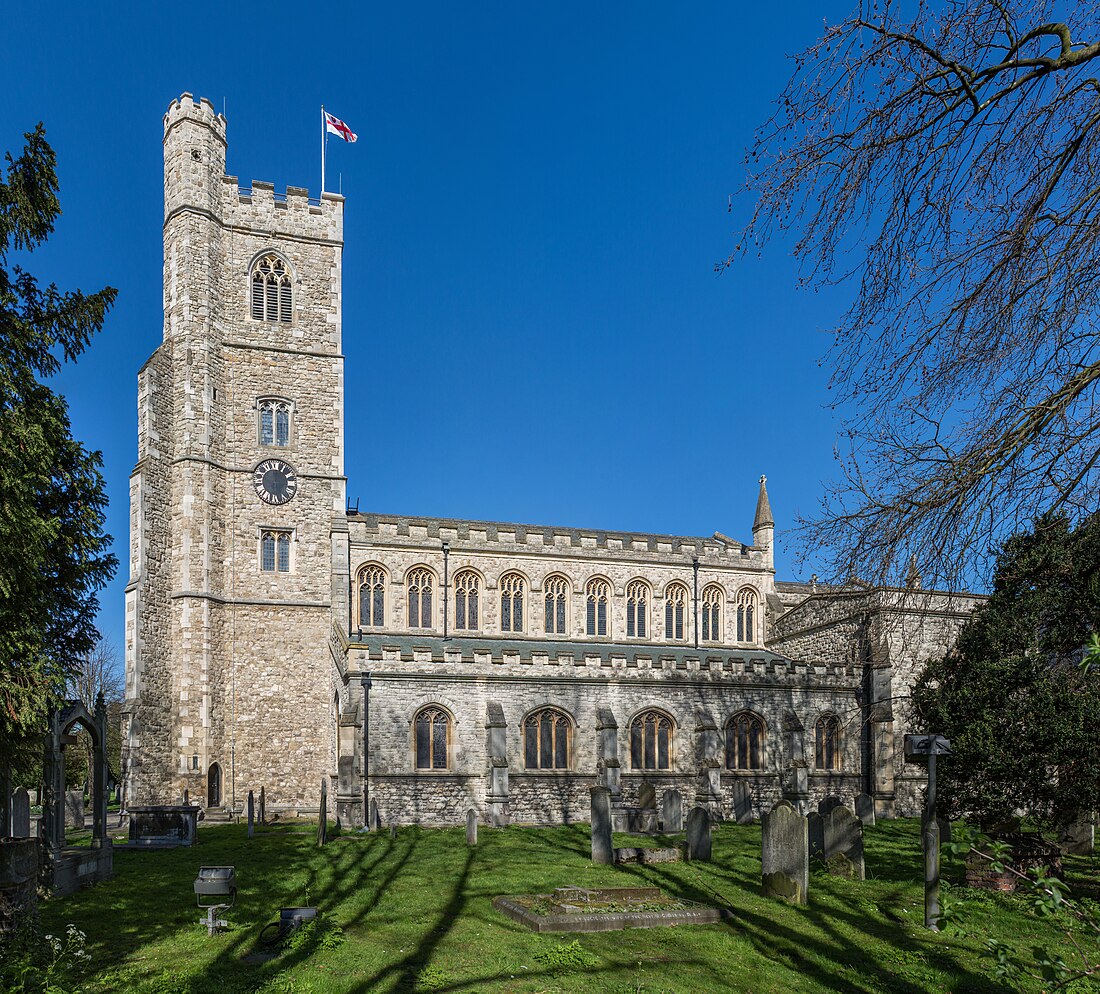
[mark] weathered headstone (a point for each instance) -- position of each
(393, 832)
(322, 823)
(742, 803)
(251, 815)
(826, 804)
(698, 835)
(843, 833)
(20, 814)
(672, 811)
(263, 806)
(647, 796)
(74, 809)
(1077, 834)
(186, 796)
(602, 851)
(471, 827)
(785, 861)
(374, 823)
(815, 828)
(865, 809)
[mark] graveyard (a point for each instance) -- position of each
(412, 909)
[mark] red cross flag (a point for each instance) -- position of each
(334, 126)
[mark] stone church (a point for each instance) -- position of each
(424, 666)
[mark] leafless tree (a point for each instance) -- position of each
(942, 160)
(99, 672)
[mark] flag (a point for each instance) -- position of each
(333, 125)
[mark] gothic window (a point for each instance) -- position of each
(466, 595)
(547, 740)
(556, 589)
(675, 606)
(432, 729)
(274, 422)
(637, 609)
(745, 742)
(372, 597)
(827, 742)
(746, 615)
(651, 741)
(419, 583)
(597, 596)
(511, 602)
(712, 613)
(275, 551)
(270, 289)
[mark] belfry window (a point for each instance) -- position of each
(419, 586)
(271, 299)
(372, 597)
(274, 422)
(556, 589)
(745, 742)
(637, 609)
(746, 615)
(597, 596)
(651, 741)
(275, 551)
(432, 731)
(466, 601)
(827, 742)
(675, 607)
(547, 740)
(511, 602)
(712, 613)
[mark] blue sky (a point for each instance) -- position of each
(533, 328)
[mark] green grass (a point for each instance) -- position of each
(414, 914)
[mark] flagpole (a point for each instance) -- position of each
(322, 150)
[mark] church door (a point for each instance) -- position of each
(214, 786)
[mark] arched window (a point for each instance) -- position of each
(271, 290)
(745, 742)
(275, 551)
(637, 609)
(467, 584)
(597, 596)
(274, 422)
(419, 584)
(547, 740)
(372, 597)
(432, 728)
(511, 602)
(827, 742)
(746, 615)
(713, 596)
(557, 592)
(675, 606)
(651, 741)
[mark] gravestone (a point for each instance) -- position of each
(251, 815)
(186, 796)
(742, 803)
(74, 809)
(322, 823)
(785, 862)
(815, 827)
(393, 832)
(698, 835)
(843, 843)
(20, 814)
(374, 823)
(1077, 834)
(471, 827)
(826, 804)
(32, 796)
(865, 809)
(602, 851)
(263, 806)
(647, 796)
(672, 811)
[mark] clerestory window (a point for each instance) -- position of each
(511, 602)
(637, 609)
(676, 597)
(597, 598)
(713, 596)
(556, 589)
(372, 597)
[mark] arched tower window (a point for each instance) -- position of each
(556, 589)
(746, 615)
(597, 597)
(271, 290)
(372, 597)
(432, 731)
(511, 602)
(745, 742)
(547, 740)
(827, 742)
(713, 596)
(675, 607)
(274, 422)
(467, 584)
(419, 583)
(651, 741)
(637, 609)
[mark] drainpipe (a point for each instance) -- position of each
(446, 578)
(695, 570)
(351, 591)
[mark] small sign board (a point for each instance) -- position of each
(920, 747)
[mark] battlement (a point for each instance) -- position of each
(201, 111)
(262, 194)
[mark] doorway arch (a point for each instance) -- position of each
(214, 786)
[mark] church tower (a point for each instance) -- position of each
(238, 530)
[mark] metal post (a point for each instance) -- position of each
(446, 595)
(930, 837)
(695, 571)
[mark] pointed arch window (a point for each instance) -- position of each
(372, 597)
(745, 742)
(547, 740)
(275, 551)
(467, 586)
(827, 742)
(597, 598)
(651, 741)
(271, 294)
(432, 732)
(274, 418)
(556, 589)
(713, 596)
(746, 615)
(675, 608)
(637, 609)
(419, 584)
(511, 602)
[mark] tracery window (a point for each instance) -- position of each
(432, 730)
(556, 589)
(275, 551)
(419, 584)
(467, 584)
(597, 598)
(637, 609)
(746, 615)
(651, 741)
(372, 597)
(827, 742)
(274, 426)
(745, 742)
(511, 602)
(713, 596)
(271, 290)
(675, 606)
(547, 740)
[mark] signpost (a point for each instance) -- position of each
(921, 748)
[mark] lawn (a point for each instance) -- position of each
(414, 914)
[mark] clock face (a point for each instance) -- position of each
(275, 481)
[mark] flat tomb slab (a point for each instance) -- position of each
(605, 909)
